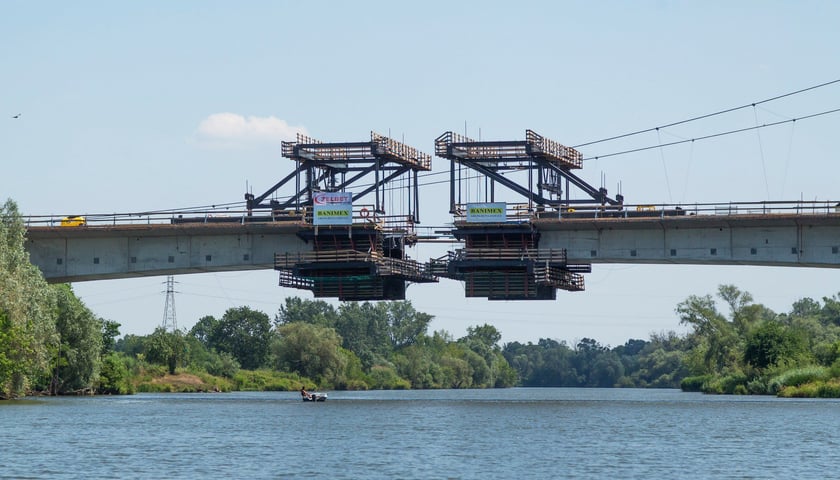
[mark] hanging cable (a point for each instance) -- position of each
(761, 153)
(664, 166)
(787, 160)
(688, 171)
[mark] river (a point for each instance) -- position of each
(432, 434)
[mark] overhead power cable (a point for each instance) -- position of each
(714, 135)
(701, 117)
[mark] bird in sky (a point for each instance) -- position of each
(16, 116)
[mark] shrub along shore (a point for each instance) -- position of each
(51, 343)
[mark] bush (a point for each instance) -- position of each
(385, 378)
(221, 364)
(354, 384)
(797, 377)
(114, 376)
(757, 386)
(269, 380)
(735, 383)
(808, 390)
(694, 384)
(829, 389)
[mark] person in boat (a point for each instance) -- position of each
(305, 394)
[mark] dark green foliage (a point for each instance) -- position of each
(310, 350)
(50, 340)
(771, 343)
(269, 380)
(28, 337)
(735, 383)
(317, 312)
(131, 345)
(115, 375)
(694, 384)
(110, 332)
(798, 377)
(200, 358)
(167, 348)
(243, 333)
(385, 377)
(77, 358)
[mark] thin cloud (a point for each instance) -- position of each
(231, 130)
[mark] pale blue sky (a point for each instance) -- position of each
(121, 103)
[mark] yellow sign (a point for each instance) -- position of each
(332, 213)
(494, 212)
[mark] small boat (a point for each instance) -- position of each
(316, 397)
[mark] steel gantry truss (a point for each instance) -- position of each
(548, 163)
(338, 167)
(502, 260)
(364, 258)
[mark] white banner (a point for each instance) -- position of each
(332, 208)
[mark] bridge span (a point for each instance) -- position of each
(320, 237)
(732, 234)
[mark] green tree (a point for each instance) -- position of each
(363, 328)
(115, 375)
(484, 341)
(131, 345)
(316, 312)
(167, 348)
(245, 334)
(27, 310)
(660, 364)
(548, 363)
(830, 312)
(203, 330)
(311, 350)
(772, 344)
(110, 332)
(78, 357)
(715, 343)
(805, 307)
(405, 324)
(220, 364)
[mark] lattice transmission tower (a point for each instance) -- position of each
(170, 323)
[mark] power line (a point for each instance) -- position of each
(708, 115)
(714, 135)
(595, 157)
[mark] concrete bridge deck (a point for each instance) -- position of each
(773, 239)
(109, 251)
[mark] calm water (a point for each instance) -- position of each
(535, 433)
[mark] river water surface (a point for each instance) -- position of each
(465, 434)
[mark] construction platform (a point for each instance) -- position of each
(352, 263)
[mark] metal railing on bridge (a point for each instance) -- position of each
(521, 212)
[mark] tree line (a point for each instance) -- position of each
(51, 342)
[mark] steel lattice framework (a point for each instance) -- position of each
(548, 163)
(338, 167)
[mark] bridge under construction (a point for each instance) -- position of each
(324, 226)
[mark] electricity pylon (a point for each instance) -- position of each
(169, 321)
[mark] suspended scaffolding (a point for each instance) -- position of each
(358, 249)
(501, 259)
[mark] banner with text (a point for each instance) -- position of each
(487, 212)
(332, 208)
